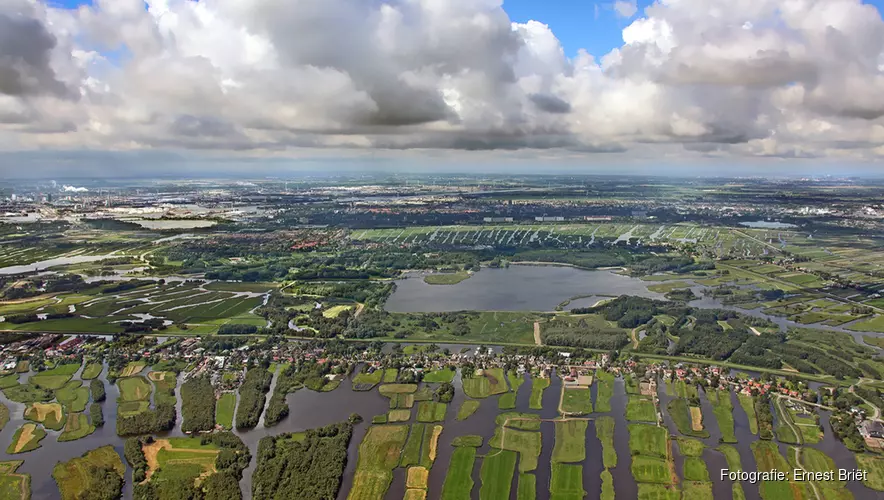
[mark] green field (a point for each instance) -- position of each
(55, 378)
(73, 395)
(72, 476)
(748, 405)
(681, 415)
(875, 467)
(436, 376)
(576, 401)
(604, 429)
(690, 447)
(566, 482)
(224, 409)
(26, 438)
(732, 456)
(394, 416)
(91, 371)
(490, 382)
(767, 457)
(496, 474)
(527, 489)
(640, 409)
(695, 469)
(607, 486)
(538, 385)
(76, 427)
(51, 415)
(698, 490)
(570, 441)
(411, 452)
(650, 470)
(388, 389)
(14, 486)
(526, 443)
(378, 456)
(471, 440)
(649, 440)
(430, 411)
(604, 391)
(458, 477)
(446, 278)
(467, 408)
(722, 408)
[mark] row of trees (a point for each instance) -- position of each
(197, 405)
(96, 387)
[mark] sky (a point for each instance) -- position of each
(104, 87)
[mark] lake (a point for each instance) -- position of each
(517, 288)
(766, 224)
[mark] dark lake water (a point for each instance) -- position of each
(311, 409)
(517, 288)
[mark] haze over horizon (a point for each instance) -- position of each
(252, 87)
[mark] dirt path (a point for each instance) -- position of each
(755, 331)
(788, 419)
(537, 339)
(634, 335)
(816, 491)
(359, 309)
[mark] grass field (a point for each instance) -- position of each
(604, 430)
(365, 381)
(767, 457)
(394, 416)
(73, 396)
(430, 445)
(604, 391)
(224, 409)
(133, 368)
(650, 470)
(722, 408)
(378, 456)
(875, 467)
(570, 441)
(649, 440)
(14, 486)
(26, 438)
(388, 389)
(748, 405)
(446, 278)
(607, 486)
(72, 476)
(76, 427)
(55, 378)
(650, 491)
(576, 401)
(430, 411)
(51, 415)
(458, 478)
(526, 443)
(690, 447)
(412, 450)
(472, 440)
(694, 490)
(467, 408)
(732, 456)
(527, 489)
(684, 420)
(695, 469)
(538, 385)
(134, 395)
(640, 409)
(488, 383)
(91, 371)
(566, 482)
(496, 474)
(436, 376)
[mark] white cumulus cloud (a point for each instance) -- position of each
(707, 78)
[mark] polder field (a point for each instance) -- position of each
(410, 440)
(184, 307)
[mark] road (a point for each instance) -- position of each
(537, 339)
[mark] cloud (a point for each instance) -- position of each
(625, 8)
(692, 78)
